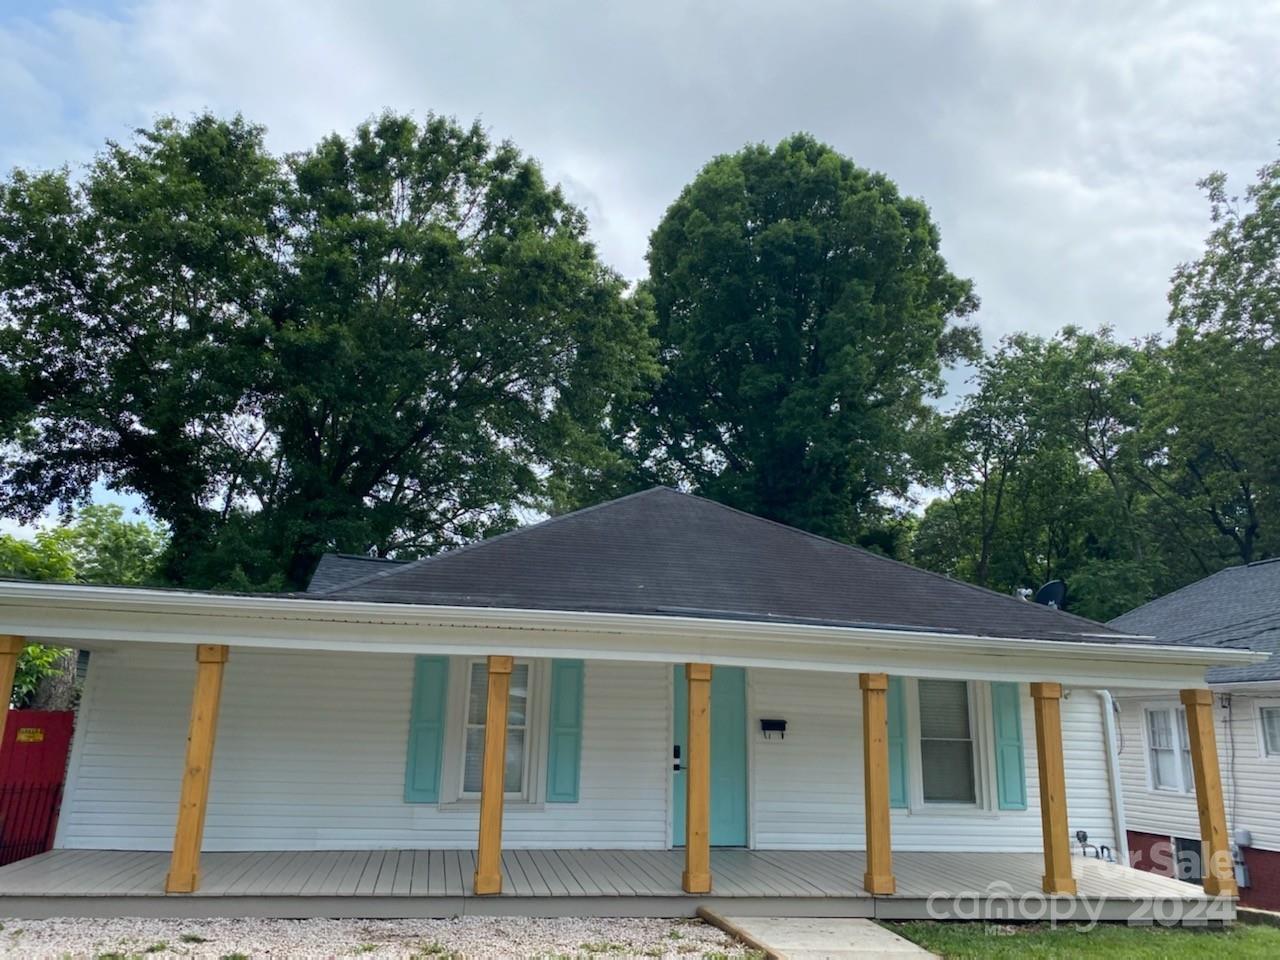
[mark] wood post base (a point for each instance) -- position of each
(695, 882)
(188, 883)
(1066, 886)
(487, 884)
(1218, 887)
(880, 885)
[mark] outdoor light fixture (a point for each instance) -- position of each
(770, 727)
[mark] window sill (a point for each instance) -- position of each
(473, 803)
(958, 811)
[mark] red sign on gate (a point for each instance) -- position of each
(33, 764)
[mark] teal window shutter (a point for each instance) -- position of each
(426, 730)
(564, 736)
(897, 706)
(1011, 780)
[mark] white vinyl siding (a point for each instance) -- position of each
(807, 788)
(311, 746)
(1250, 778)
(310, 756)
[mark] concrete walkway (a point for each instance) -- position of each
(800, 938)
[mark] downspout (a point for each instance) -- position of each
(1108, 706)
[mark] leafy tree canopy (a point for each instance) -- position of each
(98, 546)
(390, 342)
(804, 315)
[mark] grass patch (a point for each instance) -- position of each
(159, 947)
(602, 946)
(193, 938)
(959, 941)
(432, 951)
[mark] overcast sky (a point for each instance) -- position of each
(1058, 144)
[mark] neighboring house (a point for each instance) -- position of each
(1236, 607)
(590, 705)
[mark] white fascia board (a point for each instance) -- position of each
(1260, 687)
(116, 615)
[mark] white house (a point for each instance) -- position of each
(1236, 607)
(637, 707)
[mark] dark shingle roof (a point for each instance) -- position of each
(335, 569)
(666, 552)
(1235, 607)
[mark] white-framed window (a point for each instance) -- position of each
(1269, 728)
(1168, 749)
(948, 755)
(949, 738)
(517, 774)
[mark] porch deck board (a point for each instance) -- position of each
(827, 877)
(542, 882)
(638, 880)
(556, 861)
(659, 874)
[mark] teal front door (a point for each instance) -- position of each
(728, 757)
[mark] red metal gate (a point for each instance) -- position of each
(33, 763)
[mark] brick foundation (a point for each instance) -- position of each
(1153, 853)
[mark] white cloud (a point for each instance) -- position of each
(1058, 144)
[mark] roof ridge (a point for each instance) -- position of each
(476, 544)
(887, 559)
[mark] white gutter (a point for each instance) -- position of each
(1120, 827)
(71, 612)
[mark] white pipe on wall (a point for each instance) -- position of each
(1108, 706)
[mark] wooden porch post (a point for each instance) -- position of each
(488, 877)
(1219, 871)
(184, 867)
(875, 778)
(697, 808)
(10, 650)
(1053, 789)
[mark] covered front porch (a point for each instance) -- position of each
(548, 883)
(331, 795)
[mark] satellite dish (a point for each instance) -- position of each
(1053, 594)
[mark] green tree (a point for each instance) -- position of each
(1092, 393)
(1153, 464)
(988, 439)
(105, 547)
(40, 559)
(804, 315)
(1040, 462)
(390, 342)
(97, 546)
(1213, 444)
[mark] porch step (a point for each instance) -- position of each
(813, 938)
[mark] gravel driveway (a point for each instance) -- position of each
(476, 937)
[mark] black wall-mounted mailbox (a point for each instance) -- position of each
(770, 727)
